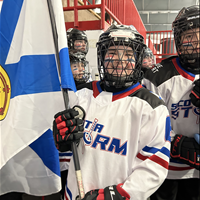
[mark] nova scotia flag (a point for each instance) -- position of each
(30, 95)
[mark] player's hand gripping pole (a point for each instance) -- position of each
(66, 101)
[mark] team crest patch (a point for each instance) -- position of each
(5, 92)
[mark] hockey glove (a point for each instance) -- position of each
(186, 150)
(68, 127)
(109, 193)
(195, 94)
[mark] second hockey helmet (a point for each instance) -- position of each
(80, 67)
(77, 40)
(148, 58)
(186, 27)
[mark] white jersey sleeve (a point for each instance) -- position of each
(150, 167)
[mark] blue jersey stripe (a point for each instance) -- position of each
(65, 154)
(68, 191)
(154, 150)
(99, 87)
(168, 129)
(165, 151)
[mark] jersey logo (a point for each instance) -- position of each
(5, 92)
(88, 134)
(95, 139)
(183, 108)
(156, 67)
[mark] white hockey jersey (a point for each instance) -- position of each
(126, 140)
(174, 85)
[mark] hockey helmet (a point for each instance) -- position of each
(119, 53)
(80, 67)
(148, 58)
(148, 53)
(186, 27)
(77, 40)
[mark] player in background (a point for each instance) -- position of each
(176, 80)
(124, 144)
(77, 41)
(78, 48)
(148, 60)
(80, 68)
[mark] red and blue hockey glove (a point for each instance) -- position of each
(195, 94)
(186, 150)
(68, 127)
(114, 192)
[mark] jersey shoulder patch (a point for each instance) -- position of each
(152, 99)
(161, 72)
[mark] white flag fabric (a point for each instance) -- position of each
(30, 95)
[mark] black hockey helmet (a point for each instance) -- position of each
(74, 35)
(120, 36)
(148, 53)
(186, 34)
(78, 59)
(148, 59)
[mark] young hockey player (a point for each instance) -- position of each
(80, 68)
(78, 48)
(124, 145)
(148, 59)
(77, 41)
(82, 74)
(177, 81)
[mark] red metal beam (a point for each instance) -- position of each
(85, 25)
(83, 7)
(76, 24)
(103, 14)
